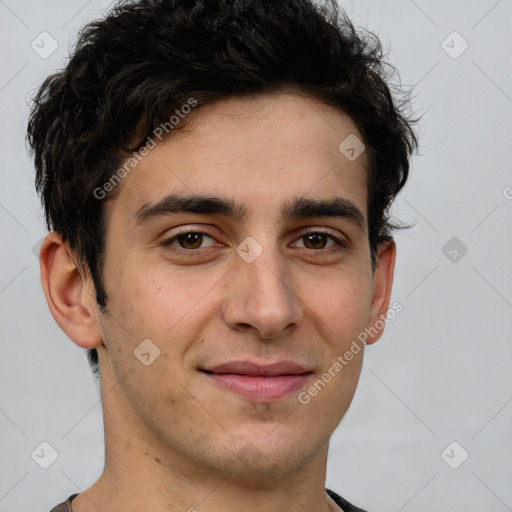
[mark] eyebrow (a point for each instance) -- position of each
(297, 208)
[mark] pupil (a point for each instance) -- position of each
(193, 239)
(316, 239)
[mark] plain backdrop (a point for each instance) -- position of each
(437, 388)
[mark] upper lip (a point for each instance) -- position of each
(254, 369)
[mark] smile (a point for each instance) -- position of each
(260, 383)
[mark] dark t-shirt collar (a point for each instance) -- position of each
(344, 504)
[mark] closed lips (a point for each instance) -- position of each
(256, 382)
(257, 370)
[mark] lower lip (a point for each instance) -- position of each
(260, 388)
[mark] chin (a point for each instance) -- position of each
(271, 456)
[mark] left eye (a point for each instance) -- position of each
(318, 240)
(191, 240)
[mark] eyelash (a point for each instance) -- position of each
(167, 243)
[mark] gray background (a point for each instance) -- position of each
(441, 373)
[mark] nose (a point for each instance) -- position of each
(261, 297)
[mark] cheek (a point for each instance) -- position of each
(160, 303)
(342, 302)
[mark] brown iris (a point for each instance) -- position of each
(190, 240)
(316, 240)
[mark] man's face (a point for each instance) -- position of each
(211, 298)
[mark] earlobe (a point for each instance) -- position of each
(69, 296)
(382, 285)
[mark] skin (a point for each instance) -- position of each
(174, 440)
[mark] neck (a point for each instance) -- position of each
(144, 482)
(137, 479)
(143, 473)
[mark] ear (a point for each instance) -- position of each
(382, 284)
(70, 296)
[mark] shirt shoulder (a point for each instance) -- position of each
(343, 503)
(65, 506)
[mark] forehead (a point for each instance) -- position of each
(260, 150)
